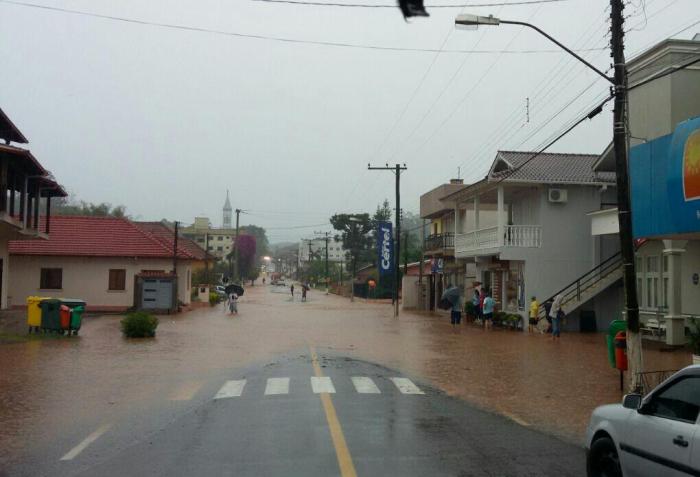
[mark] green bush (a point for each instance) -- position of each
(694, 336)
(470, 309)
(139, 324)
(214, 298)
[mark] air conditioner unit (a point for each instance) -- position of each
(557, 195)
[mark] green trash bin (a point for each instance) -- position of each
(76, 319)
(50, 315)
(72, 302)
(615, 327)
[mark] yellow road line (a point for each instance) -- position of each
(347, 468)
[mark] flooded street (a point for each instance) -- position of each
(55, 391)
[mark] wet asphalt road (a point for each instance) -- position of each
(100, 404)
(257, 434)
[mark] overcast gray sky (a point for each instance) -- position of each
(165, 120)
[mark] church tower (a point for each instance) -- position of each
(227, 212)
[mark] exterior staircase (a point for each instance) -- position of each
(589, 285)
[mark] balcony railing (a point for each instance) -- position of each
(440, 241)
(529, 236)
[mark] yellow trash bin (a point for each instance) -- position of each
(34, 312)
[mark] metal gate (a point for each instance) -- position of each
(157, 294)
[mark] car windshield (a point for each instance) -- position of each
(343, 237)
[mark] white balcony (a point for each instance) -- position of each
(488, 240)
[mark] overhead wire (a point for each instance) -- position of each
(258, 36)
(443, 90)
(505, 129)
(367, 5)
(461, 101)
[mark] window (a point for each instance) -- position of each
(219, 248)
(51, 279)
(652, 279)
(679, 401)
(664, 285)
(219, 238)
(117, 279)
(639, 267)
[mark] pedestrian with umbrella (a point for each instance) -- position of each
(452, 295)
(233, 292)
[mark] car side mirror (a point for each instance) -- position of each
(632, 401)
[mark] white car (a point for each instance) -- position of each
(658, 435)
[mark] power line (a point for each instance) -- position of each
(365, 5)
(262, 37)
(297, 227)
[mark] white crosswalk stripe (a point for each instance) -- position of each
(231, 389)
(365, 385)
(277, 386)
(322, 385)
(319, 384)
(406, 386)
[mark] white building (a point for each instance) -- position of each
(316, 249)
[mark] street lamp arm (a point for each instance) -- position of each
(553, 40)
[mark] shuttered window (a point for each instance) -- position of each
(117, 279)
(51, 279)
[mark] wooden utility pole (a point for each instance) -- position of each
(397, 170)
(175, 248)
(617, 35)
(326, 238)
(206, 257)
(236, 277)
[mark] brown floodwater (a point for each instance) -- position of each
(47, 384)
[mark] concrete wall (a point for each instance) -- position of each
(5, 272)
(88, 278)
(412, 295)
(657, 107)
(430, 203)
(690, 293)
(567, 250)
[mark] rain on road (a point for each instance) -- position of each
(303, 388)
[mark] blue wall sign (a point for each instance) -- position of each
(665, 183)
(385, 248)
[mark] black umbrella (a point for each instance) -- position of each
(451, 295)
(233, 288)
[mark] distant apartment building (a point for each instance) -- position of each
(315, 249)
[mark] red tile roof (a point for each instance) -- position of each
(96, 237)
(166, 235)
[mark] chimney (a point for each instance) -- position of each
(456, 181)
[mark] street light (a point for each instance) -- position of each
(468, 20)
(619, 82)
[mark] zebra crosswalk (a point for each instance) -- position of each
(324, 384)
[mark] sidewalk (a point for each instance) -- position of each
(552, 386)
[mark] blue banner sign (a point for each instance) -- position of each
(665, 183)
(385, 248)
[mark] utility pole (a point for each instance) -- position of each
(236, 278)
(206, 257)
(175, 263)
(617, 43)
(405, 253)
(397, 169)
(326, 238)
(175, 248)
